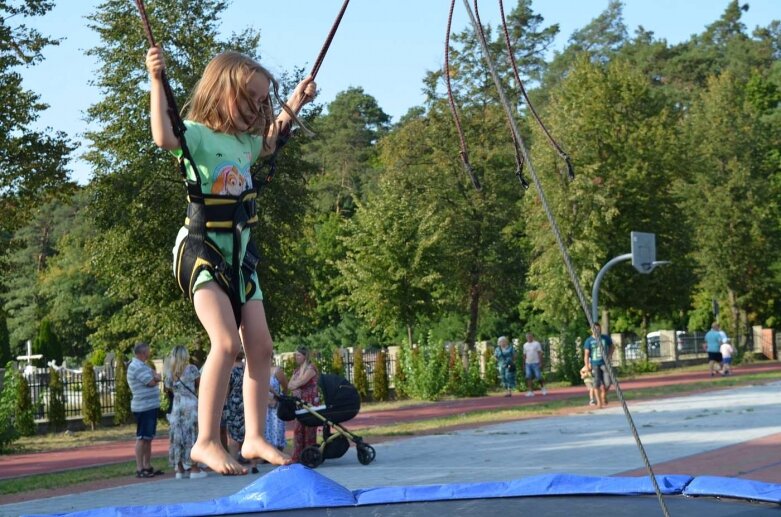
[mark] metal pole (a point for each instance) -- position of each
(595, 289)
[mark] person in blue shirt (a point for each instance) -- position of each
(594, 360)
(713, 340)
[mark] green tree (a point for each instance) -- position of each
(8, 429)
(400, 380)
(24, 419)
(359, 373)
(56, 411)
(731, 202)
(32, 163)
(623, 138)
(90, 398)
(5, 345)
(345, 150)
(380, 377)
(122, 394)
(337, 362)
(47, 344)
(74, 295)
(455, 374)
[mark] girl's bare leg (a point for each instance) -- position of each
(258, 350)
(214, 311)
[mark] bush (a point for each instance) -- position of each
(56, 402)
(47, 344)
(90, 399)
(491, 377)
(289, 366)
(8, 432)
(475, 385)
(25, 421)
(359, 373)
(380, 381)
(455, 374)
(122, 394)
(400, 375)
(429, 371)
(337, 362)
(632, 368)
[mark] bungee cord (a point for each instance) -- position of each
(464, 153)
(173, 111)
(474, 18)
(511, 58)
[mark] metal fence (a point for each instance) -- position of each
(38, 380)
(369, 366)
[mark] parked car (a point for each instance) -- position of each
(634, 350)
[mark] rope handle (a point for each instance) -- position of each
(177, 123)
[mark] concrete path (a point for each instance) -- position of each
(737, 429)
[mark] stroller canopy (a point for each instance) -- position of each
(341, 398)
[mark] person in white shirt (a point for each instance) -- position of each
(532, 358)
(726, 356)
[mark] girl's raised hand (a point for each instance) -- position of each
(305, 91)
(155, 62)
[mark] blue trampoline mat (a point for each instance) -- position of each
(297, 490)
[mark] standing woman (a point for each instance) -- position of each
(182, 379)
(275, 428)
(505, 361)
(303, 384)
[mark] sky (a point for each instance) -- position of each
(383, 46)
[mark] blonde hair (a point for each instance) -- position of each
(176, 362)
(227, 76)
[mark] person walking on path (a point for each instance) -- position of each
(505, 362)
(303, 384)
(532, 359)
(726, 357)
(594, 360)
(182, 379)
(713, 340)
(143, 381)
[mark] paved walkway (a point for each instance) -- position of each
(121, 451)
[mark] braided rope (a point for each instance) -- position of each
(562, 247)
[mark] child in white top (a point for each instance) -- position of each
(726, 356)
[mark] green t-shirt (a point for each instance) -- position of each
(223, 163)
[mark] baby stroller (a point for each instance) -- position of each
(341, 403)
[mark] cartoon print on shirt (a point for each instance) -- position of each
(229, 181)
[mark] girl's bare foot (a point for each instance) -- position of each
(260, 449)
(216, 458)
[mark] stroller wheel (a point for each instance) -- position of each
(312, 456)
(365, 454)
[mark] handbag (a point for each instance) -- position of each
(509, 366)
(170, 396)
